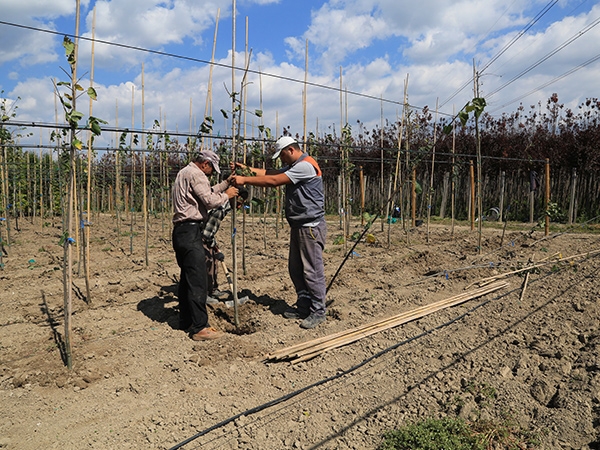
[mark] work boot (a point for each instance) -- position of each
(207, 334)
(219, 295)
(211, 300)
(294, 313)
(312, 321)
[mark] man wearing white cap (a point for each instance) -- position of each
(192, 198)
(305, 212)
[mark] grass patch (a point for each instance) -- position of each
(453, 433)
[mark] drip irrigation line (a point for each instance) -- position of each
(333, 377)
(367, 227)
(355, 367)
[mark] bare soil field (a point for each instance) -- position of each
(530, 356)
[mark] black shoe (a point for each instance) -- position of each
(312, 321)
(293, 313)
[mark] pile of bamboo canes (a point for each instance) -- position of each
(308, 350)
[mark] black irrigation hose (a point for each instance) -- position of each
(333, 377)
(352, 251)
(345, 372)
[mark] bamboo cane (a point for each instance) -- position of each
(208, 105)
(144, 186)
(453, 183)
(233, 158)
(86, 229)
(535, 266)
(304, 95)
(430, 193)
(308, 350)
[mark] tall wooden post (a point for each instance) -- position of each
(572, 201)
(362, 195)
(472, 202)
(414, 198)
(502, 188)
(547, 202)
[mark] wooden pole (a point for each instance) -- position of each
(572, 200)
(547, 197)
(381, 154)
(430, 193)
(144, 186)
(362, 195)
(208, 106)
(304, 106)
(414, 198)
(502, 189)
(307, 350)
(472, 199)
(453, 181)
(68, 263)
(233, 158)
(86, 223)
(117, 174)
(445, 186)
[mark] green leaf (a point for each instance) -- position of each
(76, 115)
(98, 120)
(448, 129)
(91, 92)
(224, 114)
(258, 113)
(464, 117)
(78, 87)
(77, 144)
(95, 127)
(69, 46)
(63, 83)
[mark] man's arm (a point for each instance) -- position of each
(264, 180)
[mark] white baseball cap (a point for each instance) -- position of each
(283, 142)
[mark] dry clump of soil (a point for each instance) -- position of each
(139, 382)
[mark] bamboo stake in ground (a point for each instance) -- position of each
(144, 186)
(540, 264)
(233, 158)
(86, 223)
(430, 193)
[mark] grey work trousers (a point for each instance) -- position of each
(305, 265)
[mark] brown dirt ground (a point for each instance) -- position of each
(138, 382)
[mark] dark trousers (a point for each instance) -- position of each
(211, 268)
(306, 267)
(187, 243)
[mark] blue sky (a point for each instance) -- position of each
(377, 45)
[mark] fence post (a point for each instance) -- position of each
(444, 194)
(501, 206)
(572, 202)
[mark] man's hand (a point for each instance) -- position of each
(238, 180)
(231, 192)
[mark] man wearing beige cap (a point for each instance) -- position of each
(192, 198)
(305, 212)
